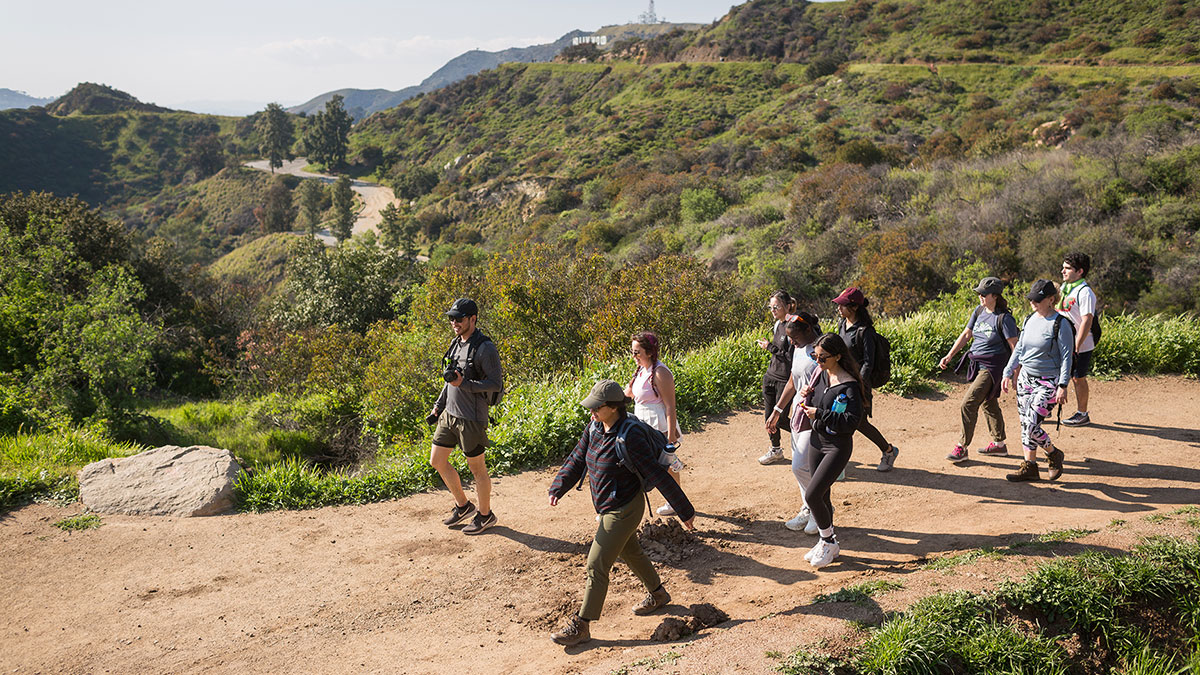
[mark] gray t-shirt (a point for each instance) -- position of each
(1039, 355)
(469, 400)
(990, 332)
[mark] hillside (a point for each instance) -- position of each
(98, 99)
(19, 99)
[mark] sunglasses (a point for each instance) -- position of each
(635, 352)
(822, 358)
(457, 319)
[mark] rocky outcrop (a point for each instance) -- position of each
(166, 481)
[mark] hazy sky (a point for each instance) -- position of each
(173, 53)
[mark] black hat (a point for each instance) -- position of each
(605, 392)
(990, 286)
(462, 307)
(1041, 289)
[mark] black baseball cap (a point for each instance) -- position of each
(990, 286)
(462, 307)
(1041, 289)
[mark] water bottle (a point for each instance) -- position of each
(839, 404)
(670, 460)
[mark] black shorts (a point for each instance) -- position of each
(469, 435)
(1082, 366)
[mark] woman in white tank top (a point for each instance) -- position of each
(653, 392)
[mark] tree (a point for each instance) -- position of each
(310, 195)
(326, 136)
(343, 209)
(278, 213)
(205, 156)
(391, 226)
(415, 182)
(274, 128)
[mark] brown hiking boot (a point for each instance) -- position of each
(1027, 471)
(1055, 459)
(652, 601)
(574, 632)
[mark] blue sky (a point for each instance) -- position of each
(181, 54)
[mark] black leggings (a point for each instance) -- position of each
(867, 429)
(771, 391)
(826, 463)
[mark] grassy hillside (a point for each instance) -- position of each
(258, 264)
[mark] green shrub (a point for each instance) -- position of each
(700, 205)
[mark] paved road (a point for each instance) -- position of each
(375, 196)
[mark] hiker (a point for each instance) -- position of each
(778, 371)
(834, 412)
(803, 331)
(474, 380)
(1039, 369)
(652, 389)
(993, 332)
(618, 496)
(1079, 304)
(857, 330)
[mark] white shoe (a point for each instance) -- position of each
(826, 555)
(815, 550)
(799, 522)
(811, 527)
(665, 510)
(773, 456)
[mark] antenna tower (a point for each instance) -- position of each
(649, 17)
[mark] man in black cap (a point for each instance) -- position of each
(474, 381)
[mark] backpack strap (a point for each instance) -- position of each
(622, 447)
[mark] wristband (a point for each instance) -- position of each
(778, 410)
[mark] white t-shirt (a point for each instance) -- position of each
(1081, 302)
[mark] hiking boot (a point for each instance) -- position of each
(1027, 471)
(889, 459)
(480, 523)
(1055, 459)
(773, 456)
(829, 550)
(958, 454)
(798, 523)
(652, 601)
(665, 510)
(1079, 419)
(574, 632)
(994, 448)
(459, 514)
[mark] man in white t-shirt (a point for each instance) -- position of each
(1078, 303)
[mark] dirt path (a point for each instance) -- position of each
(387, 588)
(375, 196)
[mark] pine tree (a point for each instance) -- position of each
(274, 128)
(278, 213)
(326, 136)
(390, 228)
(310, 195)
(343, 210)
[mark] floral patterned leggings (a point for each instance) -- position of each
(1035, 400)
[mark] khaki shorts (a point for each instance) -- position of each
(454, 431)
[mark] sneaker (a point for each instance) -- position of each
(1027, 471)
(811, 527)
(958, 454)
(815, 550)
(1055, 459)
(1079, 419)
(652, 601)
(888, 460)
(459, 514)
(665, 510)
(574, 632)
(826, 555)
(798, 523)
(773, 456)
(994, 448)
(480, 523)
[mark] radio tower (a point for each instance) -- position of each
(649, 17)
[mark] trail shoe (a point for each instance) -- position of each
(1027, 471)
(994, 448)
(665, 510)
(1079, 419)
(652, 601)
(574, 632)
(811, 527)
(480, 523)
(958, 454)
(888, 460)
(815, 550)
(773, 456)
(1055, 459)
(798, 523)
(459, 514)
(829, 551)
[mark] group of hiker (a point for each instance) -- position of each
(818, 386)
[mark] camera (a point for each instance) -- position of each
(451, 373)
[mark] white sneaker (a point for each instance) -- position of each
(773, 456)
(811, 526)
(665, 510)
(826, 555)
(815, 550)
(799, 522)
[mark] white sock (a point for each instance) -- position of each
(825, 532)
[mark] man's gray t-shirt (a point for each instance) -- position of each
(469, 400)
(990, 332)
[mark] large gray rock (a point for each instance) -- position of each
(166, 481)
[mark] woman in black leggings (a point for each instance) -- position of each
(858, 332)
(837, 406)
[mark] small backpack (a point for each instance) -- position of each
(881, 369)
(1096, 330)
(477, 338)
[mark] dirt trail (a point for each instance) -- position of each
(375, 196)
(387, 588)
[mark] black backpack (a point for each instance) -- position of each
(881, 369)
(656, 439)
(473, 370)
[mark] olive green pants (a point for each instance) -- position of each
(616, 536)
(976, 396)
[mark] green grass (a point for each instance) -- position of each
(84, 521)
(43, 465)
(1190, 508)
(859, 594)
(1156, 518)
(953, 560)
(259, 432)
(1064, 535)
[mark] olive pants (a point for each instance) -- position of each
(616, 536)
(977, 396)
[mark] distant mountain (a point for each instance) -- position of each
(98, 99)
(362, 102)
(19, 99)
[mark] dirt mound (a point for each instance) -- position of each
(703, 615)
(667, 542)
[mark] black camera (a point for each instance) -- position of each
(451, 373)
